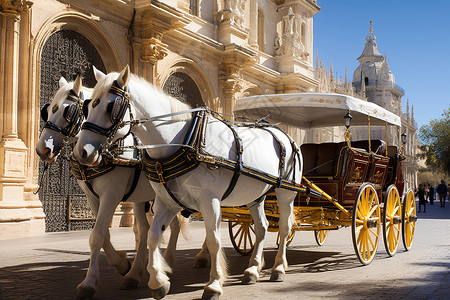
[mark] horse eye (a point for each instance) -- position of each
(95, 102)
(55, 108)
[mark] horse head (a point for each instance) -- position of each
(106, 114)
(62, 118)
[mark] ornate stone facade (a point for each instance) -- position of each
(225, 49)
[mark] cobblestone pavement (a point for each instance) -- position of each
(51, 266)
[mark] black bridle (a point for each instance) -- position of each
(72, 114)
(119, 107)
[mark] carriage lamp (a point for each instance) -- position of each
(348, 119)
(347, 134)
(403, 137)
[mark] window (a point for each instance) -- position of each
(366, 80)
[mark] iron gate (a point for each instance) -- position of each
(66, 53)
(181, 86)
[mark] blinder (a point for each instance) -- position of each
(117, 112)
(44, 112)
(85, 107)
(72, 115)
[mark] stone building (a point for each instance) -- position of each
(372, 81)
(211, 51)
(202, 51)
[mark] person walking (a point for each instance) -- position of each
(421, 193)
(442, 192)
(431, 194)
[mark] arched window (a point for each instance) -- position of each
(366, 80)
(261, 41)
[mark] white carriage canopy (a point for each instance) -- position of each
(310, 110)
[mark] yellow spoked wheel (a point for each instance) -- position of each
(366, 223)
(392, 220)
(289, 238)
(321, 236)
(242, 235)
(409, 219)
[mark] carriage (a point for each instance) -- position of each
(355, 184)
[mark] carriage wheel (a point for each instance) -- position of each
(242, 235)
(409, 218)
(289, 238)
(392, 220)
(321, 236)
(366, 223)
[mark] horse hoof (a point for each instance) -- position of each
(129, 284)
(161, 292)
(277, 276)
(85, 293)
(210, 295)
(201, 263)
(249, 278)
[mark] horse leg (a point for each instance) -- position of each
(115, 259)
(87, 287)
(212, 217)
(251, 274)
(285, 204)
(131, 279)
(159, 283)
(202, 258)
(169, 253)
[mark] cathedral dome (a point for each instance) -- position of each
(373, 69)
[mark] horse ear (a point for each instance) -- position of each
(62, 82)
(99, 75)
(124, 76)
(77, 85)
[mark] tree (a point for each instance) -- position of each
(436, 135)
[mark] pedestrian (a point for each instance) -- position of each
(431, 194)
(442, 192)
(421, 193)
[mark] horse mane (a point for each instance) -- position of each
(151, 92)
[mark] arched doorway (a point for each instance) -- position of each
(65, 53)
(181, 86)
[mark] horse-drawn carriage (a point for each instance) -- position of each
(358, 183)
(194, 160)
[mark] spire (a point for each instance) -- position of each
(371, 35)
(407, 109)
(370, 49)
(412, 114)
(346, 78)
(331, 69)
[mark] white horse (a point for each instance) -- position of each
(61, 117)
(201, 189)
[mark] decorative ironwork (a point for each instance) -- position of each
(183, 87)
(66, 53)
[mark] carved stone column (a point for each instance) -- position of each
(156, 18)
(16, 215)
(230, 81)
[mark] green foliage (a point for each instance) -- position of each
(428, 177)
(436, 135)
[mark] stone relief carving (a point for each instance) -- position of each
(290, 43)
(233, 11)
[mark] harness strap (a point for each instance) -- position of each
(137, 174)
(282, 155)
(239, 166)
(186, 210)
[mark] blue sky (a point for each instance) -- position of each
(415, 36)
